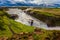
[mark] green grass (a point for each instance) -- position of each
(18, 27)
(5, 32)
(44, 13)
(15, 26)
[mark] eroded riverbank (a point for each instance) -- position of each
(50, 19)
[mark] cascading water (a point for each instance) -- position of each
(26, 19)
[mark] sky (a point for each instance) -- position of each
(38, 1)
(32, 1)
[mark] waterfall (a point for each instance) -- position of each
(26, 19)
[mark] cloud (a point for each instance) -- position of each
(32, 1)
(19, 0)
(38, 1)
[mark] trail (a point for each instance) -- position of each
(9, 26)
(11, 29)
(26, 19)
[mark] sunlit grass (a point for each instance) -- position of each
(6, 22)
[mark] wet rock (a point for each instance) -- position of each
(13, 16)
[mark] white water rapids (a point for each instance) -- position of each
(25, 19)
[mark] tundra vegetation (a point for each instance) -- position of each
(12, 30)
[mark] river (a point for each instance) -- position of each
(26, 19)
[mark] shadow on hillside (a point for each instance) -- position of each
(2, 28)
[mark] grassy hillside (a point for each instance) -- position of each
(6, 22)
(55, 11)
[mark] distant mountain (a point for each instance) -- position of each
(50, 5)
(57, 5)
(25, 4)
(8, 3)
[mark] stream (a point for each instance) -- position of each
(26, 19)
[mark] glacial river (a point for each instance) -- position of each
(26, 19)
